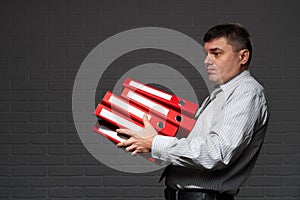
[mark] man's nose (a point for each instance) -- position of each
(208, 60)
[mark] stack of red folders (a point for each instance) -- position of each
(170, 115)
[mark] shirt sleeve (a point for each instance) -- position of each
(231, 132)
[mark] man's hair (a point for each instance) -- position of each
(237, 36)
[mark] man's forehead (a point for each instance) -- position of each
(215, 44)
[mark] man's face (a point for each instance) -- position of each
(222, 62)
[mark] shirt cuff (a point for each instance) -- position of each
(159, 145)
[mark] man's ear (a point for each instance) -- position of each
(244, 56)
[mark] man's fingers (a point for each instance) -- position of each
(125, 132)
(145, 120)
(135, 153)
(130, 148)
(125, 143)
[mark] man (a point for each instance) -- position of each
(221, 150)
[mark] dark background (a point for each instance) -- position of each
(42, 45)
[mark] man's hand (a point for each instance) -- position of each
(139, 141)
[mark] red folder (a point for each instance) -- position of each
(183, 122)
(115, 137)
(131, 110)
(116, 119)
(179, 104)
(108, 133)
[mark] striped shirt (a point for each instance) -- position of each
(221, 150)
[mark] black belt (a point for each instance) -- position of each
(171, 194)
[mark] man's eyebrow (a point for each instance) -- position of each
(215, 49)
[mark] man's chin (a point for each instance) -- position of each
(215, 81)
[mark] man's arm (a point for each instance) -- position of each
(223, 143)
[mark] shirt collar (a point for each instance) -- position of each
(234, 80)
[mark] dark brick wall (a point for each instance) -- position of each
(42, 45)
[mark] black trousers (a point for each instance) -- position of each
(171, 194)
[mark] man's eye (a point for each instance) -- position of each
(216, 53)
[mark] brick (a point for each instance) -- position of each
(65, 171)
(37, 20)
(100, 171)
(291, 181)
(282, 170)
(7, 160)
(14, 117)
(48, 96)
(291, 159)
(61, 85)
(251, 191)
(125, 8)
(282, 149)
(273, 138)
(275, 127)
(5, 85)
(270, 159)
(29, 149)
(193, 9)
(5, 171)
(29, 85)
(145, 20)
(51, 7)
(47, 182)
(65, 20)
(81, 160)
(29, 107)
(47, 139)
(265, 181)
(64, 42)
(47, 74)
(156, 8)
(73, 139)
(119, 181)
(142, 192)
(29, 171)
(75, 8)
(29, 128)
(5, 19)
(14, 182)
(5, 149)
(149, 181)
(5, 106)
(258, 170)
(282, 192)
(84, 31)
(84, 181)
(66, 192)
(283, 105)
(25, 42)
(92, 42)
(46, 160)
(5, 192)
(26, 192)
(62, 128)
(64, 62)
(96, 20)
(47, 117)
(46, 31)
(91, 7)
(60, 107)
(65, 149)
(292, 127)
(292, 138)
(5, 128)
(104, 192)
